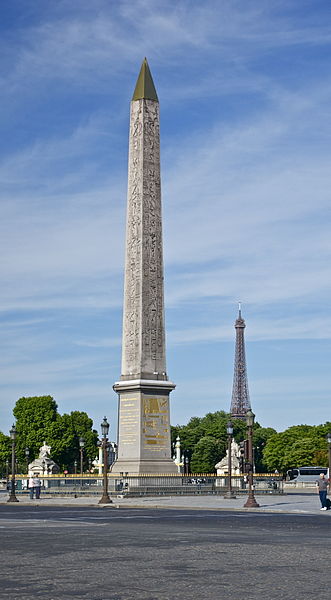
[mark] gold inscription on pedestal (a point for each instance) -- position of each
(129, 420)
(155, 424)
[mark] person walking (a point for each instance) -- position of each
(322, 489)
(31, 487)
(37, 486)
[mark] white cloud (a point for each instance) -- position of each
(278, 402)
(100, 342)
(258, 329)
(245, 107)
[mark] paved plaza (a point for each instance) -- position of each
(185, 548)
(306, 502)
(97, 553)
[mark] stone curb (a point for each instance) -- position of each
(117, 506)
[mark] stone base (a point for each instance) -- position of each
(42, 466)
(144, 467)
(144, 445)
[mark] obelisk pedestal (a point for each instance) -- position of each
(143, 423)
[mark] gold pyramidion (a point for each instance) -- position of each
(145, 87)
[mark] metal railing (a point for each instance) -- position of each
(153, 484)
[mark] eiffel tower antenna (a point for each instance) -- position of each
(240, 402)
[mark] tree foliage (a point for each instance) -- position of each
(5, 450)
(204, 442)
(206, 454)
(204, 439)
(261, 435)
(297, 446)
(37, 419)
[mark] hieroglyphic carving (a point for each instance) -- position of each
(143, 320)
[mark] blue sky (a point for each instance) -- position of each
(245, 96)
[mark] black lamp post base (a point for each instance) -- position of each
(229, 496)
(251, 503)
(12, 499)
(105, 500)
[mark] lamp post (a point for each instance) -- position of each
(27, 454)
(104, 431)
(328, 439)
(81, 450)
(12, 496)
(251, 502)
(229, 493)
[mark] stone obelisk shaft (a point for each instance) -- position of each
(143, 346)
(144, 424)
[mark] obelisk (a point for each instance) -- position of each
(143, 420)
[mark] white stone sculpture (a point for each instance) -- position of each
(222, 466)
(44, 451)
(43, 465)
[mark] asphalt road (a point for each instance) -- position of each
(126, 554)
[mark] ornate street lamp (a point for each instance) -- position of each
(105, 499)
(328, 439)
(251, 502)
(12, 496)
(81, 450)
(229, 430)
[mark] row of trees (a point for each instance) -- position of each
(204, 442)
(203, 439)
(38, 419)
(298, 446)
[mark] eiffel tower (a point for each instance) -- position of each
(240, 402)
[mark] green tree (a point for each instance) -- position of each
(207, 454)
(321, 458)
(37, 419)
(211, 425)
(260, 439)
(301, 452)
(79, 425)
(5, 452)
(299, 445)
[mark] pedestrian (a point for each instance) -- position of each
(322, 489)
(37, 486)
(31, 487)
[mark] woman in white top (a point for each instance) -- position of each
(31, 487)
